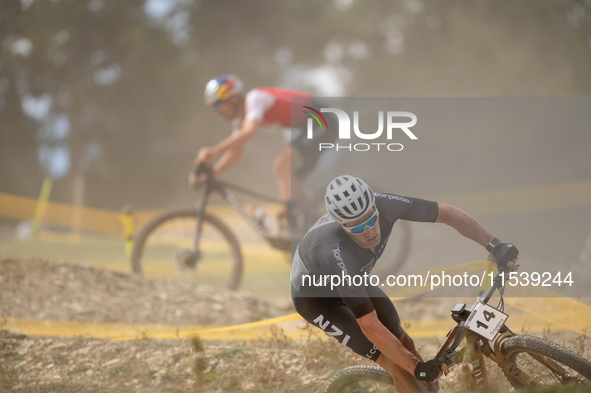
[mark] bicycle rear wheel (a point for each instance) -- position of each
(360, 379)
(162, 250)
(545, 362)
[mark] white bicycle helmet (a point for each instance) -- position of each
(348, 198)
(222, 88)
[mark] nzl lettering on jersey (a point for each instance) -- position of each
(393, 123)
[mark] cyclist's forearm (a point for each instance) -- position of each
(410, 345)
(237, 140)
(387, 343)
(227, 161)
(464, 223)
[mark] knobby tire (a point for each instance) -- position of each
(191, 213)
(519, 350)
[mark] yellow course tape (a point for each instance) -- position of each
(564, 313)
(114, 331)
(292, 326)
(121, 331)
(545, 310)
(477, 203)
(542, 307)
(63, 215)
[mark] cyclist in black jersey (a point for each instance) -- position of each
(348, 241)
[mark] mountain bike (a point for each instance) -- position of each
(199, 244)
(480, 331)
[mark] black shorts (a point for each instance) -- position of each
(336, 319)
(308, 148)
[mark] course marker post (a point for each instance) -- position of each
(41, 205)
(128, 223)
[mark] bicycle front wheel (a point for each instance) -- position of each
(545, 362)
(361, 379)
(163, 246)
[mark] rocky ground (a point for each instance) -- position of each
(146, 365)
(40, 289)
(278, 365)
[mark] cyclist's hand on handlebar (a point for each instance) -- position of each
(199, 175)
(506, 254)
(430, 370)
(511, 267)
(205, 156)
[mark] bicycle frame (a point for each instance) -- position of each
(223, 188)
(478, 346)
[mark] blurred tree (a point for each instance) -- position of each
(110, 91)
(16, 129)
(87, 87)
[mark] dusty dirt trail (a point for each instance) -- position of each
(40, 289)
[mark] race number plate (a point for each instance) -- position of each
(486, 321)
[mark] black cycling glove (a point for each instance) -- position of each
(504, 253)
(428, 371)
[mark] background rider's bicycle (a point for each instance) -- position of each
(480, 332)
(200, 244)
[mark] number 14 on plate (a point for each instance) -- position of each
(486, 321)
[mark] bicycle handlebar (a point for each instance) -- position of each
(203, 169)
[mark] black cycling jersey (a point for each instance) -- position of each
(327, 249)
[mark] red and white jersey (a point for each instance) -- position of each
(272, 106)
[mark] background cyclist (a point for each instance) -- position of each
(349, 240)
(262, 107)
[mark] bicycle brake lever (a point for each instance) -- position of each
(448, 357)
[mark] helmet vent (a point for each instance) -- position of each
(348, 198)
